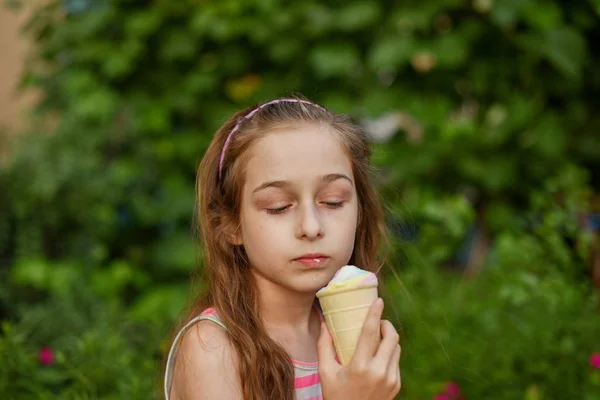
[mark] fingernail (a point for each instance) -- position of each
(379, 303)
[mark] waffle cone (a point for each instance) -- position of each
(345, 312)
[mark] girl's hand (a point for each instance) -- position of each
(373, 372)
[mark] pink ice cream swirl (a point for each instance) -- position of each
(348, 277)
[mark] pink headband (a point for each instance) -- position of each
(248, 116)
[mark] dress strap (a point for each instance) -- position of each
(172, 358)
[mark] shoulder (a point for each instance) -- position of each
(207, 337)
(206, 365)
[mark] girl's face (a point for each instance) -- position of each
(299, 208)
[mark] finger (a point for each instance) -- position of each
(325, 350)
(394, 366)
(389, 340)
(369, 334)
(388, 345)
(393, 378)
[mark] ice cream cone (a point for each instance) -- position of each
(345, 311)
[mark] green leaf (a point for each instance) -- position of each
(450, 50)
(543, 18)
(99, 104)
(58, 277)
(407, 20)
(176, 252)
(51, 376)
(506, 13)
(118, 63)
(284, 49)
(390, 53)
(112, 280)
(596, 5)
(164, 301)
(358, 15)
(318, 18)
(143, 23)
(32, 272)
(178, 45)
(550, 138)
(566, 50)
(334, 60)
(338, 103)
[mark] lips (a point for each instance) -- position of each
(312, 260)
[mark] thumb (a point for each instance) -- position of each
(325, 349)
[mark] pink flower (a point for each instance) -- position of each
(451, 392)
(453, 389)
(595, 360)
(46, 356)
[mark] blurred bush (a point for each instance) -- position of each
(483, 114)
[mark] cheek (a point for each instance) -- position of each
(259, 235)
(346, 235)
(350, 228)
(349, 216)
(342, 224)
(353, 222)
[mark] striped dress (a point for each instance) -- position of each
(306, 383)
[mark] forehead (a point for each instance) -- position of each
(303, 153)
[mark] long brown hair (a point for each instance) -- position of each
(266, 370)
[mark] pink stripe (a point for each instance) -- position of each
(209, 312)
(306, 381)
(319, 397)
(305, 364)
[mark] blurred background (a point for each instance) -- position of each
(484, 117)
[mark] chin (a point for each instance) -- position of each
(312, 286)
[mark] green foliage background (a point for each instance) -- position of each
(497, 141)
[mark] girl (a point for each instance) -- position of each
(284, 201)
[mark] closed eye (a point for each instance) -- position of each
(334, 204)
(277, 210)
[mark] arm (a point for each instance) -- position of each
(207, 365)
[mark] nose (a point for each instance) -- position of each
(309, 224)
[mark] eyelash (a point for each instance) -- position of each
(280, 210)
(277, 210)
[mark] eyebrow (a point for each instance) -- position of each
(283, 184)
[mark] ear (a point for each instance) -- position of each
(234, 236)
(235, 239)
